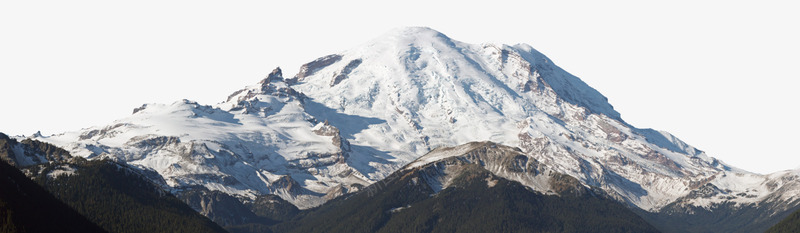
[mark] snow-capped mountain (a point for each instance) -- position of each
(260, 140)
(349, 119)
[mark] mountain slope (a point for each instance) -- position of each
(714, 208)
(26, 207)
(119, 199)
(29, 152)
(116, 197)
(349, 119)
(260, 141)
(723, 217)
(434, 91)
(472, 199)
(788, 224)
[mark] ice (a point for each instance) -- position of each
(415, 90)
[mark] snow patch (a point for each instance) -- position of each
(61, 170)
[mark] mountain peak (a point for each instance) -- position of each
(276, 74)
(411, 36)
(390, 101)
(414, 32)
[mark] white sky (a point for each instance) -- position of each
(721, 75)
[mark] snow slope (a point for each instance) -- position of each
(260, 141)
(349, 119)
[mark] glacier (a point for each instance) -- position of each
(349, 119)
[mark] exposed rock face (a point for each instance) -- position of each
(30, 152)
(220, 207)
(313, 66)
(273, 207)
(289, 185)
(135, 110)
(104, 132)
(7, 147)
(252, 99)
(326, 129)
(442, 165)
(341, 75)
(275, 75)
(153, 141)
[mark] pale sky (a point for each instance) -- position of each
(720, 75)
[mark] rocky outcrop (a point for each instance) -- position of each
(220, 207)
(275, 75)
(252, 99)
(287, 184)
(342, 74)
(326, 129)
(108, 131)
(273, 207)
(314, 66)
(442, 164)
(30, 152)
(7, 150)
(153, 141)
(143, 107)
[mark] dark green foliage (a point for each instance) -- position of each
(118, 199)
(114, 196)
(27, 207)
(787, 225)
(52, 152)
(249, 228)
(468, 205)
